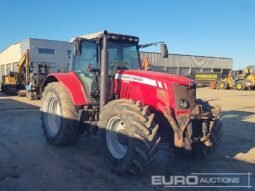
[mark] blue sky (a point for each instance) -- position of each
(201, 27)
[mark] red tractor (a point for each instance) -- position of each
(106, 94)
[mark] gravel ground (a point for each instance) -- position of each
(28, 163)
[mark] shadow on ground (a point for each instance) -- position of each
(28, 163)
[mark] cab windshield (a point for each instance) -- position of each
(121, 56)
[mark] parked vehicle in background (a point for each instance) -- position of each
(9, 84)
(239, 80)
(27, 81)
(204, 79)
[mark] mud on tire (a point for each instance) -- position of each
(59, 117)
(137, 136)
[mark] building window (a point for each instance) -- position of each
(226, 71)
(68, 52)
(2, 70)
(216, 70)
(8, 68)
(195, 70)
(184, 71)
(46, 51)
(171, 70)
(207, 70)
(157, 68)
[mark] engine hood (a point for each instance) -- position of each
(152, 76)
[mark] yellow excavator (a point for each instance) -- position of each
(23, 71)
(15, 81)
(26, 82)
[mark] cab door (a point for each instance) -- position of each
(84, 63)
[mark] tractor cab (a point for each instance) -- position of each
(122, 53)
(88, 50)
(102, 54)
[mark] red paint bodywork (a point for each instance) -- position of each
(73, 85)
(155, 96)
(158, 97)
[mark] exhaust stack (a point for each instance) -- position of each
(104, 77)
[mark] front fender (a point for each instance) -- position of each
(72, 84)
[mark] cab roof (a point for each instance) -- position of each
(99, 35)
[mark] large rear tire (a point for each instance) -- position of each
(128, 136)
(59, 117)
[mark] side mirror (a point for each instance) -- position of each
(164, 50)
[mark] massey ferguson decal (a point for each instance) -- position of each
(142, 80)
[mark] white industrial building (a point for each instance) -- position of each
(56, 53)
(52, 52)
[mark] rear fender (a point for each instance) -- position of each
(72, 84)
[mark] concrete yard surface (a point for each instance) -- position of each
(27, 162)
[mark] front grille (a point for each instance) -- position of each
(182, 92)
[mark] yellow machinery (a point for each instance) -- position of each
(239, 80)
(247, 81)
(26, 82)
(14, 82)
(23, 70)
(226, 83)
(8, 84)
(10, 79)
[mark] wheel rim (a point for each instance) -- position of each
(116, 141)
(221, 85)
(53, 116)
(238, 86)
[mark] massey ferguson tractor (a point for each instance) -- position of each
(132, 111)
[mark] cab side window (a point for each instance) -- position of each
(88, 57)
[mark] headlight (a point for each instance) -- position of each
(183, 104)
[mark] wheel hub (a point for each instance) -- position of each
(116, 137)
(53, 116)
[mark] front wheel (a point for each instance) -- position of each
(59, 117)
(240, 85)
(128, 136)
(223, 85)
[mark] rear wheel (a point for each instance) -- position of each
(59, 117)
(240, 86)
(128, 136)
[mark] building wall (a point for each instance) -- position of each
(187, 64)
(58, 60)
(9, 58)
